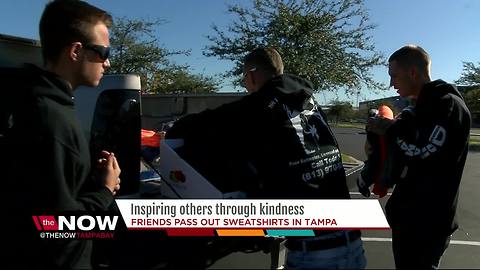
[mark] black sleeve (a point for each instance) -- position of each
(217, 144)
(65, 178)
(224, 124)
(423, 140)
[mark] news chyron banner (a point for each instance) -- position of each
(235, 217)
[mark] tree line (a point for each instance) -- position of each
(328, 42)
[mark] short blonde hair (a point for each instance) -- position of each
(412, 56)
(266, 60)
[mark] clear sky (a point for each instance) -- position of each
(448, 29)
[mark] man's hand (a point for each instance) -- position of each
(379, 125)
(161, 135)
(368, 148)
(363, 188)
(111, 171)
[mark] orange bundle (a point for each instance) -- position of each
(380, 187)
(151, 138)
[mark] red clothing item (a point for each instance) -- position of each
(380, 188)
(151, 138)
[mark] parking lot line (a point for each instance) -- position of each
(452, 242)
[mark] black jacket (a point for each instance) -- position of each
(431, 145)
(274, 143)
(47, 170)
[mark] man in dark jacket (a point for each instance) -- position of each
(48, 166)
(274, 143)
(431, 147)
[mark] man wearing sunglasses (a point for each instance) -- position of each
(47, 138)
(103, 52)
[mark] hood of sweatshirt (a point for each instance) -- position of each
(46, 84)
(435, 90)
(291, 90)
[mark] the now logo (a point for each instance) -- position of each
(73, 223)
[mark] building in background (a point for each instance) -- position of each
(397, 103)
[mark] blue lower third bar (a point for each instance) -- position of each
(290, 232)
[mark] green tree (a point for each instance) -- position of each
(470, 74)
(340, 111)
(179, 81)
(472, 100)
(471, 77)
(325, 41)
(135, 49)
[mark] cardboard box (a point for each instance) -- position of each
(182, 180)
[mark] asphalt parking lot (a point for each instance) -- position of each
(464, 249)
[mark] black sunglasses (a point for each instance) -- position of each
(102, 51)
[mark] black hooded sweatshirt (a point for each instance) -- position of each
(273, 143)
(431, 145)
(47, 170)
